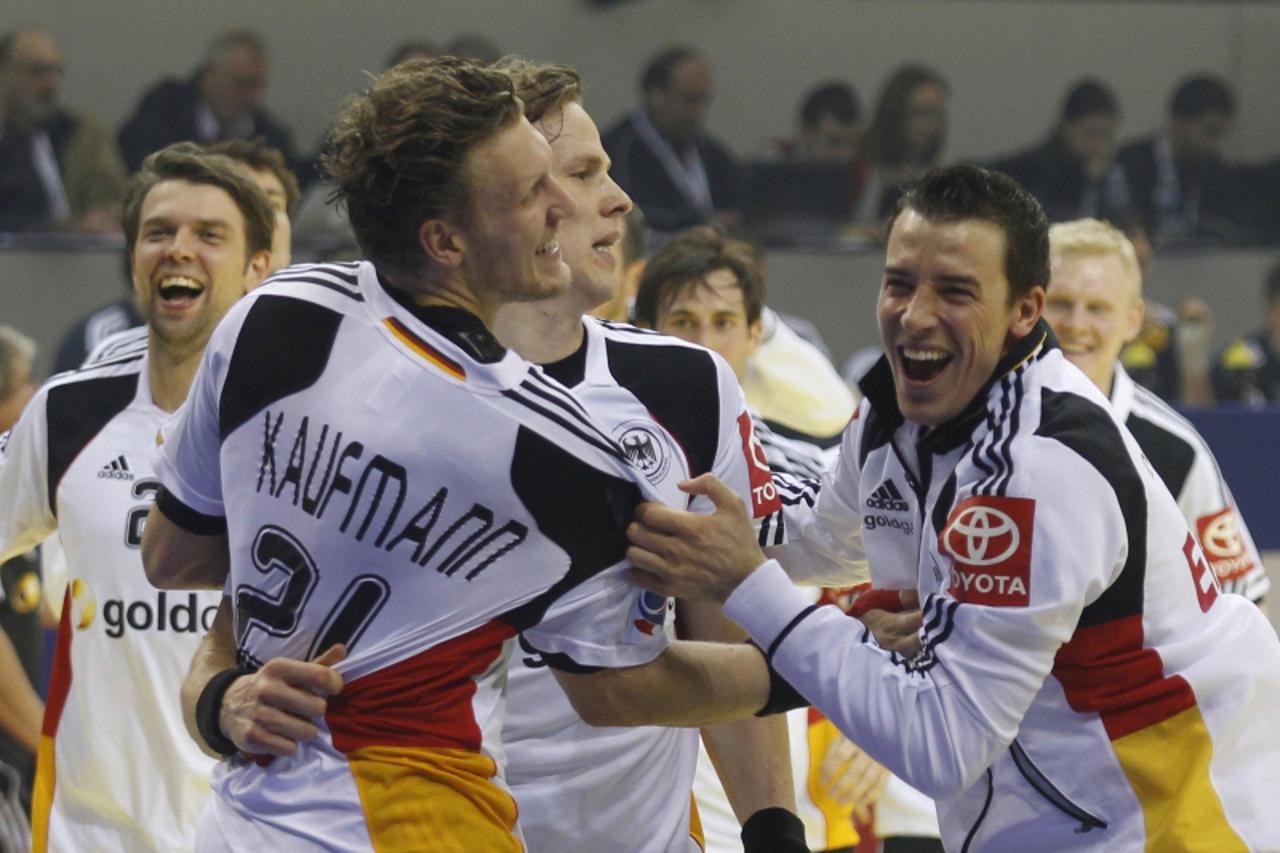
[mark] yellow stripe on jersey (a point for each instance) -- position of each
(424, 349)
(42, 795)
(838, 815)
(1168, 766)
(443, 800)
(696, 832)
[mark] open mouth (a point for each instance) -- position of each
(179, 291)
(605, 245)
(548, 249)
(921, 364)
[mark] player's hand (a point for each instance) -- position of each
(694, 555)
(898, 632)
(275, 708)
(850, 776)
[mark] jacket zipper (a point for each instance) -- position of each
(1049, 791)
(982, 815)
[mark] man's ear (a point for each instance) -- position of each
(256, 270)
(442, 242)
(1026, 311)
(754, 333)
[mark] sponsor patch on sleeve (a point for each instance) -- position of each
(764, 494)
(648, 615)
(988, 539)
(1222, 542)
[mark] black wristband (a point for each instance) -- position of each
(208, 707)
(773, 830)
(782, 696)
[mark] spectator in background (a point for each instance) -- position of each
(1249, 368)
(830, 132)
(662, 155)
(906, 139)
(1181, 186)
(1094, 305)
(58, 168)
(222, 100)
(1073, 173)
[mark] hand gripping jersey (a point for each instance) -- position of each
(676, 411)
(390, 478)
(116, 770)
(1187, 466)
(1083, 683)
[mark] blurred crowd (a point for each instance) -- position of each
(834, 178)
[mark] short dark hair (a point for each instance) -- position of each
(1202, 94)
(833, 98)
(186, 161)
(544, 87)
(1089, 97)
(954, 193)
(397, 153)
(261, 157)
(686, 260)
(657, 73)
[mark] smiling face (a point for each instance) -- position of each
(189, 262)
(588, 238)
(713, 313)
(944, 312)
(1094, 308)
(510, 236)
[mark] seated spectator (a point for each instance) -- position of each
(662, 155)
(830, 132)
(58, 168)
(222, 100)
(1249, 368)
(1181, 187)
(906, 139)
(1073, 173)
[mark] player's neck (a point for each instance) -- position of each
(170, 374)
(542, 332)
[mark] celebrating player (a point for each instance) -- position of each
(116, 770)
(677, 412)
(1079, 678)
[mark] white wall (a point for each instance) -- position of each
(1008, 61)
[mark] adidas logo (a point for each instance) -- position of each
(887, 497)
(116, 469)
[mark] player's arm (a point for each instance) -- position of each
(176, 557)
(751, 756)
(21, 711)
(1211, 512)
(988, 662)
(26, 517)
(270, 710)
(689, 684)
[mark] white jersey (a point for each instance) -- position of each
(117, 770)
(1187, 466)
(677, 412)
(1083, 683)
(389, 477)
(130, 341)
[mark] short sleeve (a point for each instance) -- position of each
(26, 508)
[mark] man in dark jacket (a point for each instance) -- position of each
(222, 100)
(662, 155)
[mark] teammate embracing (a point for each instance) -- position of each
(677, 411)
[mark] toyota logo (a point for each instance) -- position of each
(1221, 537)
(982, 536)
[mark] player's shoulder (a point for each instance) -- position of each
(667, 359)
(335, 284)
(125, 342)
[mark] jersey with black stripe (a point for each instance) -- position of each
(116, 769)
(389, 477)
(1187, 466)
(126, 342)
(677, 412)
(1081, 682)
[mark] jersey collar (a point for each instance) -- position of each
(1122, 393)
